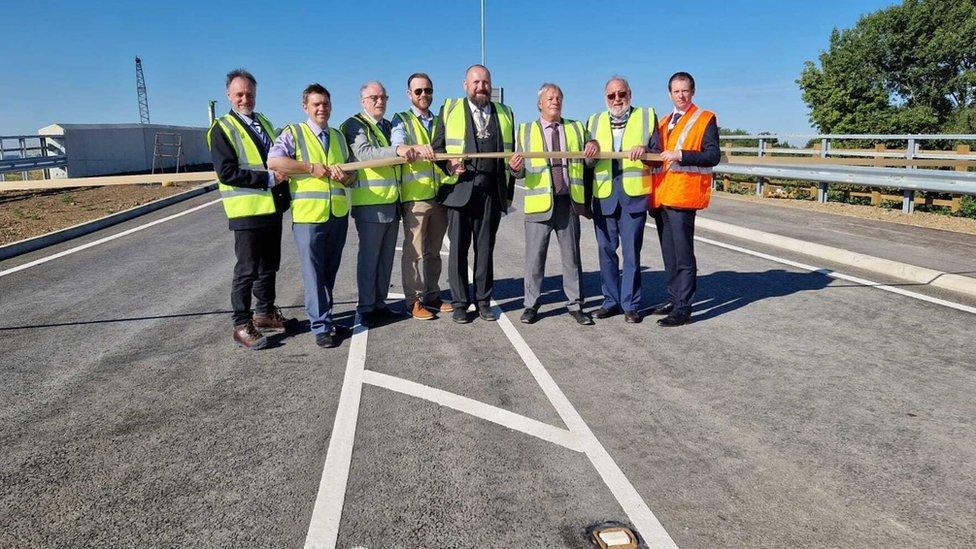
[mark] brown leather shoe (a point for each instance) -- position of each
(247, 336)
(440, 306)
(418, 311)
(273, 321)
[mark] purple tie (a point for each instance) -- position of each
(558, 183)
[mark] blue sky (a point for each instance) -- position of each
(72, 62)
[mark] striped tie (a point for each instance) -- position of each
(260, 132)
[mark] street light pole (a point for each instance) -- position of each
(483, 32)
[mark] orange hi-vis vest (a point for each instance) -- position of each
(681, 186)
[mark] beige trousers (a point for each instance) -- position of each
(424, 225)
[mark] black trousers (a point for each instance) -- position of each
(477, 221)
(258, 254)
(676, 232)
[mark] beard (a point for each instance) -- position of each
(479, 99)
(619, 111)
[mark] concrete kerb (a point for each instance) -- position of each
(38, 242)
(912, 273)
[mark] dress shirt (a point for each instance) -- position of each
(556, 164)
(250, 123)
(284, 146)
(486, 111)
(671, 121)
(398, 136)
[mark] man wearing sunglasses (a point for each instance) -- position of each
(375, 202)
(620, 197)
(424, 220)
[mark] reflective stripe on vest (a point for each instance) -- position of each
(376, 186)
(635, 176)
(313, 199)
(538, 171)
(455, 128)
(682, 186)
(419, 180)
(244, 201)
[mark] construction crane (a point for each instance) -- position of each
(141, 91)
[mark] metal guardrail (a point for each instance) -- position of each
(32, 152)
(909, 178)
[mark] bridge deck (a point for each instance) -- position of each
(798, 410)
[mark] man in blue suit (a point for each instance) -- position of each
(621, 189)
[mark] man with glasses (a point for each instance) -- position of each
(375, 197)
(478, 190)
(620, 197)
(424, 220)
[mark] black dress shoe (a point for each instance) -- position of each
(387, 312)
(528, 315)
(485, 312)
(368, 320)
(460, 315)
(581, 318)
(605, 312)
(341, 331)
(633, 317)
(674, 319)
(664, 309)
(326, 340)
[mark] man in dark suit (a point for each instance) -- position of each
(477, 191)
(254, 200)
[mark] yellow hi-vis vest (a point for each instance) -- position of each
(242, 201)
(375, 186)
(455, 127)
(538, 171)
(313, 199)
(636, 176)
(420, 179)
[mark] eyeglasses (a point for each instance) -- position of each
(618, 95)
(419, 91)
(376, 98)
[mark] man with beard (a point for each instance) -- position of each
(375, 207)
(620, 197)
(424, 220)
(477, 191)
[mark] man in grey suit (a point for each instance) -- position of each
(375, 202)
(554, 199)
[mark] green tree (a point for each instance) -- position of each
(909, 68)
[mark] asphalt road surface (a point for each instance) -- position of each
(798, 409)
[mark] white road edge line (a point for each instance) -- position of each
(323, 527)
(649, 527)
(834, 274)
(487, 412)
(104, 240)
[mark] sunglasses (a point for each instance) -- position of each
(618, 95)
(419, 91)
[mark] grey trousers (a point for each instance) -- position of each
(374, 265)
(319, 253)
(567, 228)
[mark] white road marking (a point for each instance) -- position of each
(834, 274)
(323, 528)
(627, 496)
(503, 417)
(104, 240)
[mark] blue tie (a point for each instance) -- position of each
(324, 139)
(260, 131)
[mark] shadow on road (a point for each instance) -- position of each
(718, 293)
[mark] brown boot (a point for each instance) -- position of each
(273, 321)
(418, 311)
(247, 336)
(440, 306)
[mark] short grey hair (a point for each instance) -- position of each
(371, 83)
(548, 86)
(240, 73)
(617, 78)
